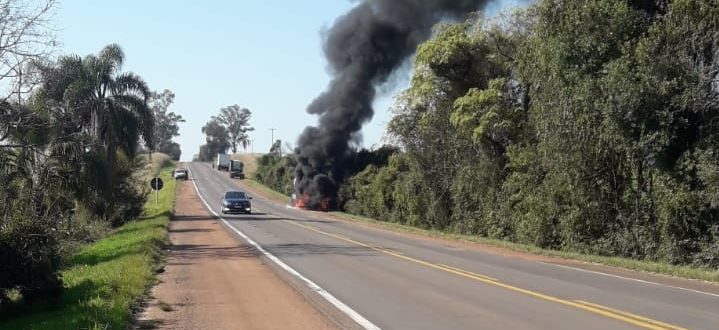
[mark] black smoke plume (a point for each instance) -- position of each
(363, 48)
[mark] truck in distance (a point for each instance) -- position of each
(237, 169)
(223, 162)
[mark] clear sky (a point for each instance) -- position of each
(265, 55)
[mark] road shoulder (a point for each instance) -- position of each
(214, 281)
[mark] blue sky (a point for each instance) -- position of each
(261, 54)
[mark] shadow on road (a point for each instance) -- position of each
(191, 230)
(192, 217)
(295, 249)
(269, 217)
(187, 252)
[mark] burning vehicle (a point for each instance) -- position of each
(322, 200)
(363, 49)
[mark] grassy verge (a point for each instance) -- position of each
(640, 265)
(267, 191)
(105, 280)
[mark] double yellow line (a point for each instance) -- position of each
(640, 321)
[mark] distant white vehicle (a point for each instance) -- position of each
(223, 162)
(180, 173)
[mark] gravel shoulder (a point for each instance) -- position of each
(214, 281)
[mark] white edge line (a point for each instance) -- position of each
(363, 322)
(632, 279)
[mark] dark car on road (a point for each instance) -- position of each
(236, 202)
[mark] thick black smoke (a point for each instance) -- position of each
(363, 48)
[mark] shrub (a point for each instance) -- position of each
(30, 252)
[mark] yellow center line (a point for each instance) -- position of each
(390, 250)
(468, 272)
(640, 321)
(634, 316)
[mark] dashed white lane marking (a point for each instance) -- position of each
(633, 279)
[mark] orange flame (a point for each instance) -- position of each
(325, 204)
(303, 201)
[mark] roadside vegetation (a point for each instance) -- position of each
(586, 127)
(75, 134)
(166, 123)
(228, 130)
(104, 281)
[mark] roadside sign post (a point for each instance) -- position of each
(156, 184)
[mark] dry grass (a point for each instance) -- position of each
(159, 160)
(250, 161)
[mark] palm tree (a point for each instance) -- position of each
(110, 105)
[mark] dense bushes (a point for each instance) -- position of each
(587, 126)
(68, 167)
(42, 222)
(276, 172)
(30, 256)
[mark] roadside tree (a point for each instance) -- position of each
(236, 121)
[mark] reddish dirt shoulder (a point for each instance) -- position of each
(214, 281)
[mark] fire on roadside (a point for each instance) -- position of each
(303, 201)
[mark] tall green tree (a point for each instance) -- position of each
(166, 123)
(107, 103)
(585, 125)
(236, 121)
(41, 183)
(217, 139)
(276, 148)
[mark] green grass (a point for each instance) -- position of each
(640, 265)
(105, 280)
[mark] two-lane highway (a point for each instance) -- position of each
(396, 281)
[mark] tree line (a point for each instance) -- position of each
(227, 130)
(69, 155)
(586, 126)
(166, 124)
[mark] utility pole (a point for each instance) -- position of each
(272, 142)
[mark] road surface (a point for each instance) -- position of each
(212, 280)
(386, 280)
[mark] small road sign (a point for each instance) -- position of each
(156, 184)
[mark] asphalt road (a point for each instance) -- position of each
(397, 281)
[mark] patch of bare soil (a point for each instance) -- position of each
(214, 281)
